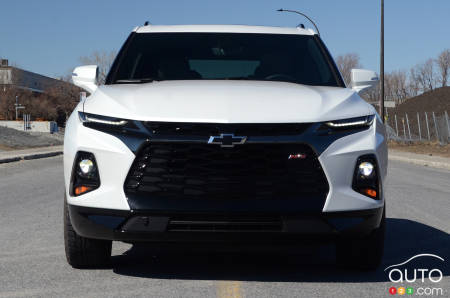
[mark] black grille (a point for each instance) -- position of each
(225, 224)
(207, 171)
(210, 129)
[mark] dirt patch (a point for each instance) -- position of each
(437, 100)
(428, 148)
(11, 139)
(416, 110)
(5, 148)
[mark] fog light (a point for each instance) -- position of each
(366, 177)
(86, 167)
(366, 169)
(85, 175)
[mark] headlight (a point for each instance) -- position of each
(91, 118)
(105, 123)
(364, 121)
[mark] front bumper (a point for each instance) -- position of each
(115, 155)
(147, 226)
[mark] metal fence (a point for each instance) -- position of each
(419, 127)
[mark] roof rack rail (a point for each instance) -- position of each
(302, 14)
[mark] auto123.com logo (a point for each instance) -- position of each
(417, 280)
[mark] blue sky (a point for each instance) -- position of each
(49, 36)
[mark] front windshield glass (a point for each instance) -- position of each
(222, 56)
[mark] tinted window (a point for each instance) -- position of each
(222, 56)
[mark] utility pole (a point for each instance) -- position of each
(16, 105)
(382, 62)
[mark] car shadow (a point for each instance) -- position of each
(404, 239)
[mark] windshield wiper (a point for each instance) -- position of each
(135, 81)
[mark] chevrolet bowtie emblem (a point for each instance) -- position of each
(227, 140)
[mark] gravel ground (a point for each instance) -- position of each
(11, 139)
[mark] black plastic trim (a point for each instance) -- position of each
(317, 136)
(296, 227)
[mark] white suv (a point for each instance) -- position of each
(224, 134)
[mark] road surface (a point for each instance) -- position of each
(32, 261)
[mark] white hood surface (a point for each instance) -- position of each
(226, 102)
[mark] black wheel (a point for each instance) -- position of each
(364, 253)
(83, 252)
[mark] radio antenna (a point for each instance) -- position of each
(302, 14)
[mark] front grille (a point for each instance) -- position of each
(207, 171)
(211, 129)
(225, 224)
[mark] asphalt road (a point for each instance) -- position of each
(32, 261)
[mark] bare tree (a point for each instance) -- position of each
(7, 100)
(396, 85)
(443, 62)
(346, 63)
(8, 92)
(56, 102)
(63, 98)
(424, 75)
(103, 60)
(413, 85)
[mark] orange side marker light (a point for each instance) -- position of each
(370, 192)
(82, 189)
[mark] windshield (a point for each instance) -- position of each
(148, 57)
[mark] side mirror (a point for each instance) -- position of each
(363, 79)
(86, 77)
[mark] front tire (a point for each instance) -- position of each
(364, 253)
(84, 252)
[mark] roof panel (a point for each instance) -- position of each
(223, 29)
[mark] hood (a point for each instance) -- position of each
(226, 102)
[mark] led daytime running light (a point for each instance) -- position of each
(366, 121)
(102, 121)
